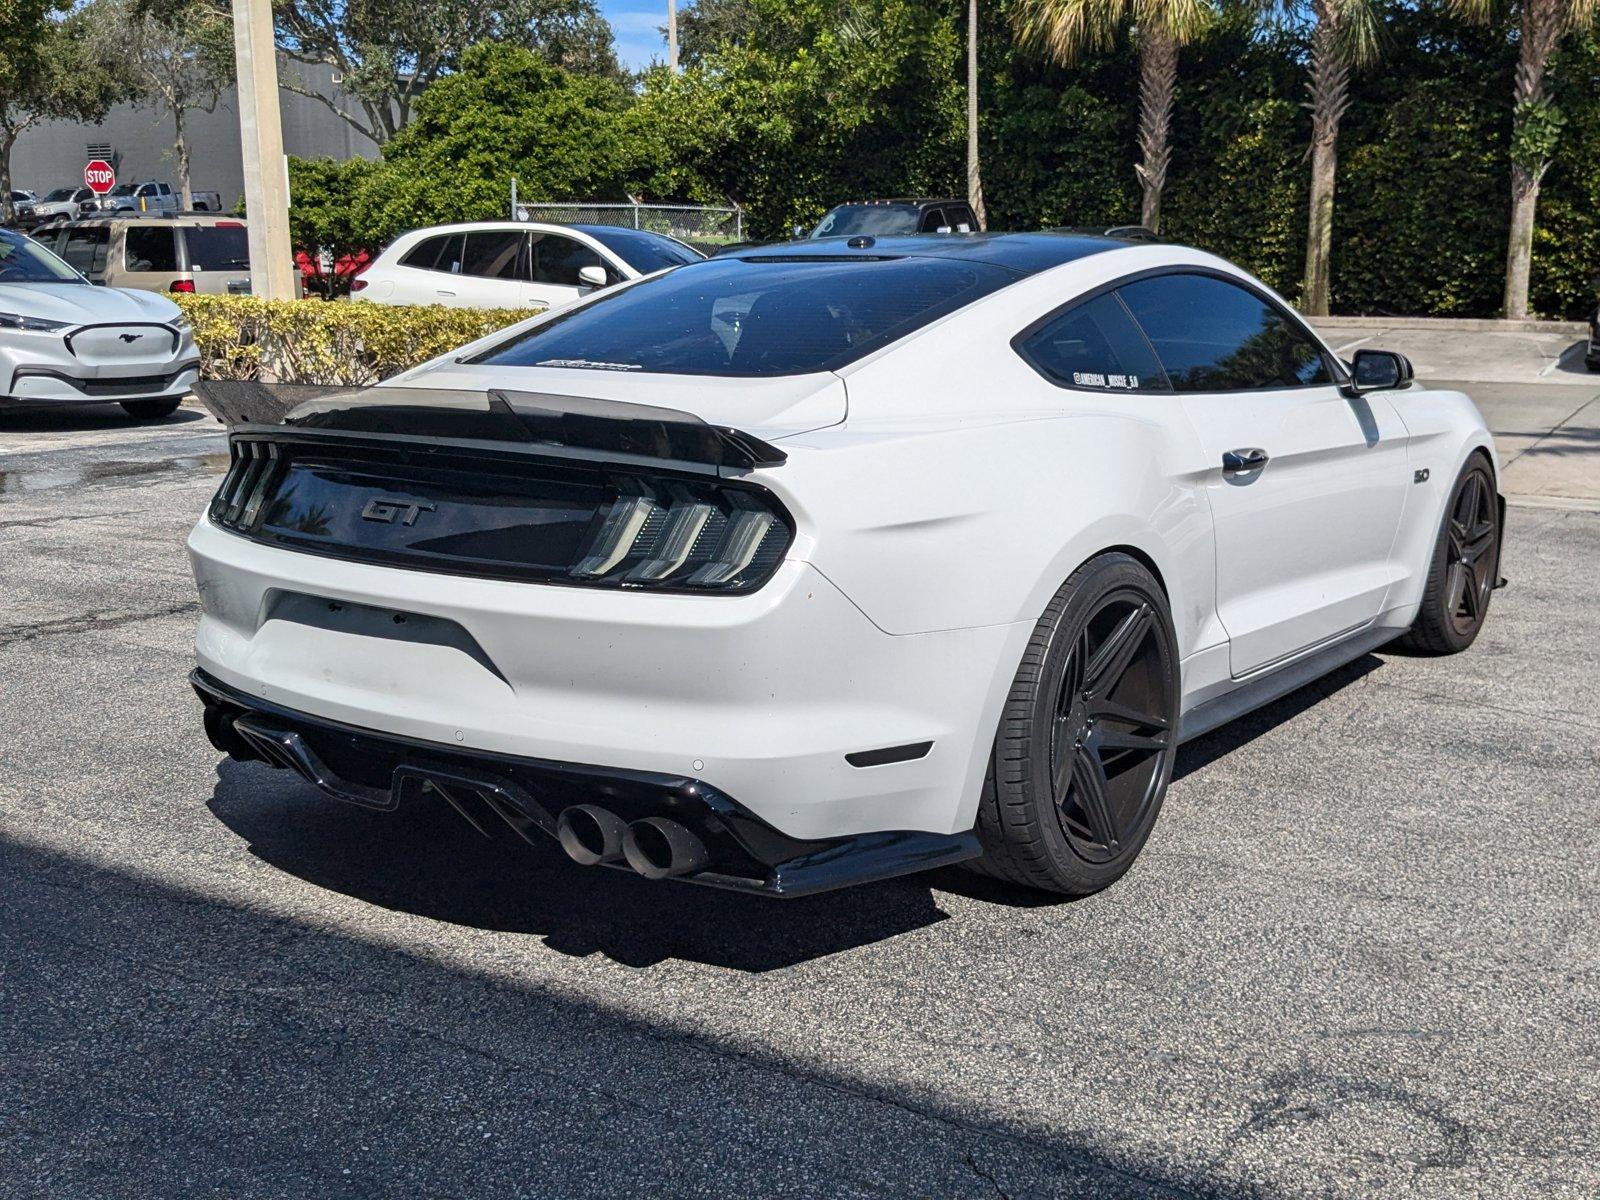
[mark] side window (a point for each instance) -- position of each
(932, 220)
(1215, 336)
(961, 219)
(558, 260)
(441, 253)
(150, 248)
(495, 254)
(1095, 345)
(85, 248)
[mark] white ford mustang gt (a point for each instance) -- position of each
(822, 564)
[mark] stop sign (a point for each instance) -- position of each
(98, 177)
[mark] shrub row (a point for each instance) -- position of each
(339, 345)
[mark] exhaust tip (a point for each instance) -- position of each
(661, 849)
(590, 834)
(221, 734)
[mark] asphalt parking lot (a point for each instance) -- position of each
(1358, 958)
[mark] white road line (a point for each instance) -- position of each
(1354, 344)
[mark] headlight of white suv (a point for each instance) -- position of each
(31, 324)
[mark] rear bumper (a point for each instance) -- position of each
(375, 770)
(779, 697)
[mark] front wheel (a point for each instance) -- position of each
(1088, 736)
(1464, 568)
(150, 410)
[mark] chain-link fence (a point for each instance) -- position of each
(686, 222)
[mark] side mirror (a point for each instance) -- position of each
(1379, 370)
(592, 277)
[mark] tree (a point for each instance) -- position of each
(507, 112)
(390, 52)
(1067, 30)
(48, 70)
(1536, 122)
(974, 178)
(180, 58)
(1344, 36)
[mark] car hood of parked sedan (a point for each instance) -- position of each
(85, 304)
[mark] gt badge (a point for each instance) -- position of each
(387, 511)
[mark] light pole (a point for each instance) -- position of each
(266, 172)
(672, 35)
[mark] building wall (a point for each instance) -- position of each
(52, 154)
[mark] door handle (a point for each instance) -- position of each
(1243, 461)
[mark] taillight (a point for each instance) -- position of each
(357, 285)
(185, 286)
(681, 535)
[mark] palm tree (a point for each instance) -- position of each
(1345, 36)
(1535, 122)
(974, 181)
(1067, 30)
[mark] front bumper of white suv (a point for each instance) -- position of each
(103, 363)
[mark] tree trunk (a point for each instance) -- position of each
(1519, 249)
(8, 139)
(1329, 91)
(974, 180)
(1540, 30)
(182, 147)
(1158, 85)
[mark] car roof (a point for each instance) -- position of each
(1025, 253)
(131, 217)
(906, 200)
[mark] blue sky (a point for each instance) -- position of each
(637, 25)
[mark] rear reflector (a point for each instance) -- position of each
(182, 285)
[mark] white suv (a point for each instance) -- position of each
(513, 264)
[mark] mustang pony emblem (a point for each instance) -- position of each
(130, 337)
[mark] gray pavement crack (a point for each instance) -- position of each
(12, 635)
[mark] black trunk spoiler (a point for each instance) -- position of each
(532, 419)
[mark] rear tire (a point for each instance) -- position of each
(1464, 568)
(1087, 740)
(150, 410)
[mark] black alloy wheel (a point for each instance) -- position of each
(1111, 735)
(1472, 536)
(1088, 737)
(1465, 567)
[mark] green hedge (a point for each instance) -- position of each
(307, 341)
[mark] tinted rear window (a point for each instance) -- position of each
(731, 316)
(218, 247)
(150, 248)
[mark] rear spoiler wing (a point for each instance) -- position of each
(529, 419)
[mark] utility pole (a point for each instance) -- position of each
(266, 173)
(672, 35)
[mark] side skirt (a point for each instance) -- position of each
(1266, 688)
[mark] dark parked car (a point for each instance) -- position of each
(879, 218)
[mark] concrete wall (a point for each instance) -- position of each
(52, 154)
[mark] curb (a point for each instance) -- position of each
(1451, 324)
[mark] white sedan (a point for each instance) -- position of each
(513, 264)
(64, 340)
(809, 566)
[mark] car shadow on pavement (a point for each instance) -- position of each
(427, 861)
(167, 1039)
(78, 418)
